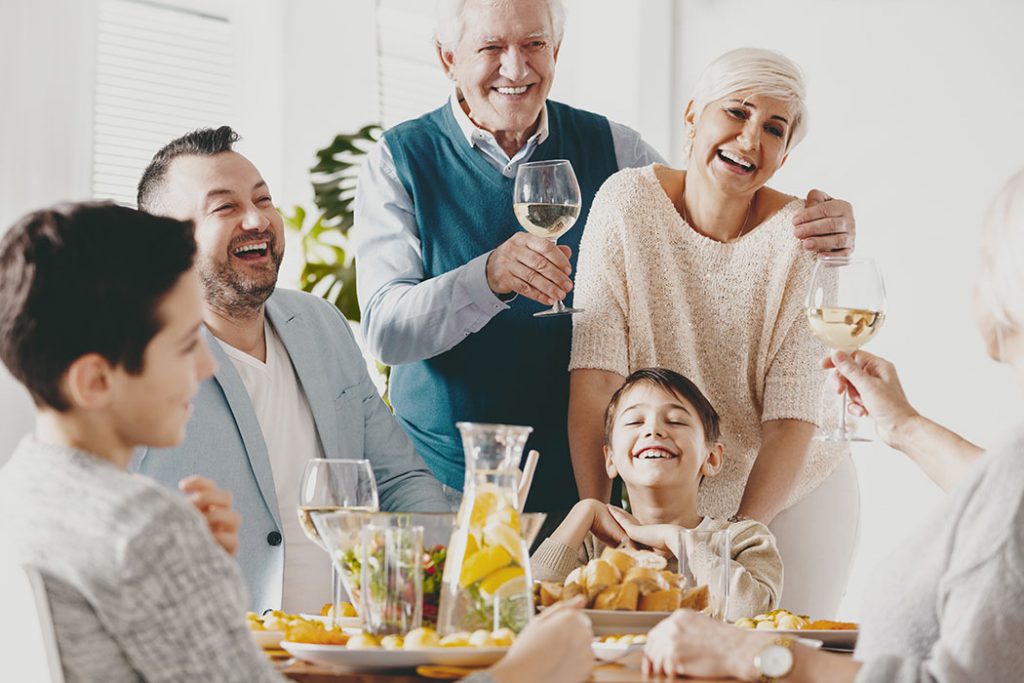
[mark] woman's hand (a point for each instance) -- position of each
(825, 225)
(661, 538)
(553, 648)
(693, 644)
(215, 505)
(875, 390)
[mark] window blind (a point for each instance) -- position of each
(160, 72)
(410, 79)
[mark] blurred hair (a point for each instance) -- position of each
(1000, 286)
(85, 278)
(450, 23)
(202, 142)
(755, 71)
(675, 384)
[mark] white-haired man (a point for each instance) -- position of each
(448, 283)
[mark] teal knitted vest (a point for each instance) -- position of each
(514, 370)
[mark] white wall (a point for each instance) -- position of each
(915, 109)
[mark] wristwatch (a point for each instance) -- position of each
(775, 661)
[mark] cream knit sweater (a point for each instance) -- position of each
(728, 316)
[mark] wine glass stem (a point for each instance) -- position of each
(335, 597)
(842, 414)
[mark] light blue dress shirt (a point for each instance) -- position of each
(405, 317)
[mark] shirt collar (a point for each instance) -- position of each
(471, 132)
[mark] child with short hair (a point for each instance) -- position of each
(661, 437)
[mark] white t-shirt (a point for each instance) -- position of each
(290, 434)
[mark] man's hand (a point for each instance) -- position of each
(825, 225)
(215, 505)
(531, 266)
(692, 644)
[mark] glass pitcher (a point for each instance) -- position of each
(486, 582)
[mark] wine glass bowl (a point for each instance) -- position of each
(329, 486)
(546, 202)
(845, 309)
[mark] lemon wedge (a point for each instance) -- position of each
(507, 537)
(483, 562)
(495, 580)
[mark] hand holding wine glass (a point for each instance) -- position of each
(330, 486)
(845, 308)
(547, 202)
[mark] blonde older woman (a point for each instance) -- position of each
(948, 605)
(697, 270)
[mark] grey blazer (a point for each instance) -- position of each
(225, 443)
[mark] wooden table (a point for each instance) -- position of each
(303, 672)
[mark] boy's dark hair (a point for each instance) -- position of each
(676, 384)
(84, 278)
(204, 142)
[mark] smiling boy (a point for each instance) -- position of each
(100, 316)
(661, 437)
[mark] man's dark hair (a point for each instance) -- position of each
(675, 384)
(203, 142)
(85, 278)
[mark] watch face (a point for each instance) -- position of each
(775, 661)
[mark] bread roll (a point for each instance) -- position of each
(570, 591)
(661, 601)
(620, 559)
(621, 597)
(550, 593)
(695, 598)
(674, 580)
(647, 558)
(575, 576)
(647, 580)
(598, 575)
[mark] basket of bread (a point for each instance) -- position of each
(626, 590)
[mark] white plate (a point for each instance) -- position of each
(344, 622)
(380, 659)
(615, 622)
(845, 640)
(268, 639)
(627, 655)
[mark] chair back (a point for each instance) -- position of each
(28, 643)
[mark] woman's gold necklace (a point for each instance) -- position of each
(746, 219)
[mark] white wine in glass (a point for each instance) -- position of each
(845, 309)
(546, 202)
(332, 486)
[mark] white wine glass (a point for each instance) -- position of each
(332, 486)
(845, 308)
(546, 201)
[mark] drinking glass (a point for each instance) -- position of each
(546, 201)
(704, 560)
(391, 578)
(845, 308)
(330, 486)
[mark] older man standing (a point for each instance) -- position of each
(448, 283)
(291, 382)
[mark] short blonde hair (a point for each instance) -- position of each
(450, 25)
(1000, 287)
(755, 71)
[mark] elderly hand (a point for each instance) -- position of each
(825, 225)
(690, 643)
(215, 505)
(661, 538)
(875, 390)
(531, 266)
(553, 648)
